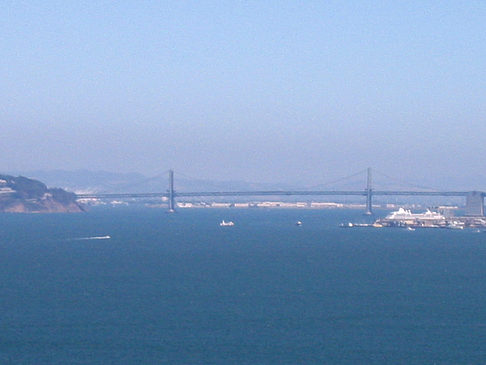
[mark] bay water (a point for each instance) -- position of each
(180, 289)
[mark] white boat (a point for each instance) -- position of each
(223, 223)
(405, 214)
(455, 225)
(404, 217)
(346, 225)
(298, 223)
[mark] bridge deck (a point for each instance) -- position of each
(274, 193)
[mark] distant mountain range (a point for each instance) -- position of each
(84, 180)
(113, 182)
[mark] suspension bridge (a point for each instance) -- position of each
(474, 199)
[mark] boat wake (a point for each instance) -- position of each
(91, 238)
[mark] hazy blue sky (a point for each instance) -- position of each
(299, 91)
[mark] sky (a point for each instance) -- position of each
(264, 91)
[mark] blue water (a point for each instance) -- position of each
(179, 289)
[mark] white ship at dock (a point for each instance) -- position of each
(429, 219)
(405, 218)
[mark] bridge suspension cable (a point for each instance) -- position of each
(474, 199)
(144, 181)
(404, 183)
(187, 176)
(339, 179)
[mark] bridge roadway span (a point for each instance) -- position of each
(274, 193)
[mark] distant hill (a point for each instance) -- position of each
(84, 180)
(23, 195)
(111, 182)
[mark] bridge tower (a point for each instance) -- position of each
(369, 194)
(171, 192)
(475, 203)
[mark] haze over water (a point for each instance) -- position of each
(274, 91)
(181, 289)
